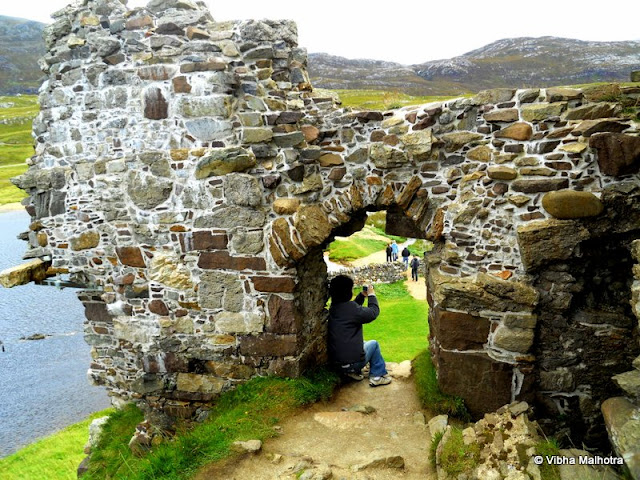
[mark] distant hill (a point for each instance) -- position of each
(512, 62)
(21, 45)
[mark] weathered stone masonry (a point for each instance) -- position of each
(187, 170)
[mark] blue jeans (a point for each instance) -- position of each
(373, 357)
(406, 262)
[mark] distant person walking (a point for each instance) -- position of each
(415, 264)
(389, 253)
(394, 251)
(405, 257)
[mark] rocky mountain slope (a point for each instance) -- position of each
(512, 62)
(21, 45)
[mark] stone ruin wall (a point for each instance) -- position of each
(187, 171)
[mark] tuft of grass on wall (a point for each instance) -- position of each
(548, 447)
(248, 412)
(429, 393)
(52, 458)
(456, 457)
(402, 327)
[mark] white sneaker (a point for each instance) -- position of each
(378, 381)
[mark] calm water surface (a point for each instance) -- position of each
(43, 384)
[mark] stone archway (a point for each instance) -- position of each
(186, 169)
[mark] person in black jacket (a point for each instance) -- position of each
(405, 257)
(415, 264)
(389, 253)
(347, 347)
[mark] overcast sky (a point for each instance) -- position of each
(409, 31)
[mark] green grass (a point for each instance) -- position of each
(53, 458)
(9, 193)
(419, 247)
(383, 100)
(456, 457)
(548, 447)
(353, 248)
(248, 412)
(429, 392)
(16, 143)
(402, 327)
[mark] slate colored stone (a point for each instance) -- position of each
(536, 186)
(545, 241)
(221, 161)
(147, 191)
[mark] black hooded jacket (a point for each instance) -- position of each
(345, 328)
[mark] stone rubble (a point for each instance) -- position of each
(507, 442)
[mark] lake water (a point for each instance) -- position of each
(43, 383)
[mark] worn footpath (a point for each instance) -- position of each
(363, 433)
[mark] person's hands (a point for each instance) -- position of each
(370, 291)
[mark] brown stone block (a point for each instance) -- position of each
(310, 133)
(97, 312)
(355, 193)
(459, 331)
(158, 307)
(131, 256)
(222, 260)
(330, 160)
(518, 131)
(313, 225)
(156, 106)
(269, 345)
(203, 240)
(387, 196)
(502, 115)
(618, 154)
(409, 191)
(374, 181)
(164, 363)
(337, 174)
(181, 85)
(483, 383)
(568, 204)
(434, 233)
(274, 284)
(280, 227)
(284, 317)
(277, 254)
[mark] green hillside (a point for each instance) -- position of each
(16, 143)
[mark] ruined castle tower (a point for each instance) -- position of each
(188, 176)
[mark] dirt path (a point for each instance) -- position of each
(417, 289)
(333, 438)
